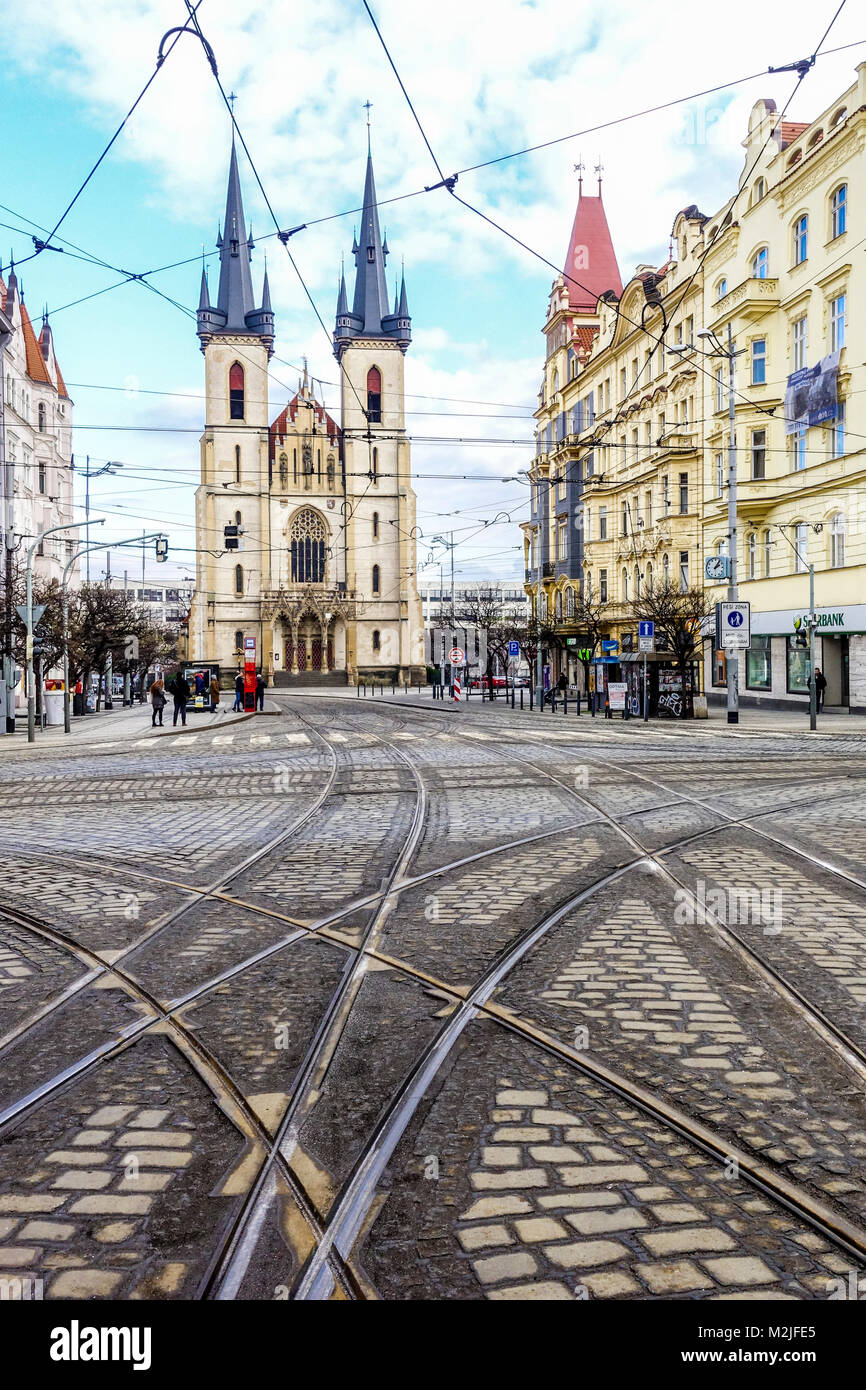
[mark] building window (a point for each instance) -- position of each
(684, 493)
(837, 323)
(374, 467)
(799, 332)
(752, 551)
(649, 508)
(720, 474)
(839, 211)
(623, 384)
(236, 391)
(569, 603)
(761, 264)
(43, 477)
(561, 488)
(797, 661)
(759, 675)
(720, 388)
(636, 582)
(798, 449)
(768, 553)
(666, 570)
(721, 289)
(375, 526)
(377, 642)
(801, 239)
(374, 396)
(563, 541)
(720, 672)
(801, 540)
(602, 524)
(837, 541)
(759, 361)
(375, 579)
(837, 432)
(239, 579)
(666, 498)
(42, 417)
(625, 586)
(684, 571)
(239, 642)
(237, 463)
(602, 586)
(307, 536)
(624, 519)
(759, 454)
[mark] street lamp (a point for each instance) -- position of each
(31, 693)
(539, 667)
(88, 473)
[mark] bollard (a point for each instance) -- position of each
(565, 704)
(512, 698)
(358, 692)
(531, 697)
(578, 704)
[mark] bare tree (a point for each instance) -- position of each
(485, 611)
(678, 615)
(593, 619)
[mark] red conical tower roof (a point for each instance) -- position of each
(591, 259)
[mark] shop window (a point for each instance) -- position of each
(758, 664)
(796, 663)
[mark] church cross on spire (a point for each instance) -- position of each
(578, 169)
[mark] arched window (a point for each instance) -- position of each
(375, 526)
(375, 579)
(42, 417)
(237, 463)
(625, 585)
(753, 555)
(239, 579)
(721, 289)
(239, 642)
(838, 212)
(838, 117)
(759, 190)
(794, 159)
(801, 239)
(374, 466)
(768, 554)
(295, 467)
(377, 643)
(569, 603)
(236, 391)
(636, 582)
(837, 540)
(666, 570)
(238, 521)
(649, 576)
(761, 264)
(307, 536)
(374, 396)
(801, 543)
(284, 470)
(559, 605)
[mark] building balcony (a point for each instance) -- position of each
(750, 300)
(548, 570)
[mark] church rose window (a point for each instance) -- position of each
(236, 391)
(307, 544)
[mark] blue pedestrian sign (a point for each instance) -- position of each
(734, 626)
(646, 628)
(514, 649)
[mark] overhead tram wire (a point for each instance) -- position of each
(46, 244)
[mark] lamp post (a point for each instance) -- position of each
(88, 473)
(31, 693)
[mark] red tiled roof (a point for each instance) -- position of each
(280, 427)
(583, 337)
(61, 384)
(590, 267)
(791, 131)
(36, 368)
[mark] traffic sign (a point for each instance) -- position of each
(646, 644)
(38, 609)
(514, 648)
(457, 656)
(735, 623)
(646, 628)
(249, 644)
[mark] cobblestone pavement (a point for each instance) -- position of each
(364, 1000)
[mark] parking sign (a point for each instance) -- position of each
(514, 648)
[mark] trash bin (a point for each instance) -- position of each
(53, 706)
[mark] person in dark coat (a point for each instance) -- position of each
(260, 691)
(239, 693)
(158, 702)
(820, 687)
(180, 691)
(563, 681)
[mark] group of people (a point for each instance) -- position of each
(179, 688)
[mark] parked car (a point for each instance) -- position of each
(477, 682)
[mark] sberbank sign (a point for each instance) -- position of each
(826, 619)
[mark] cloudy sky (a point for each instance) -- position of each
(486, 79)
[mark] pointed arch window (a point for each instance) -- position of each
(239, 579)
(237, 463)
(236, 391)
(374, 396)
(307, 536)
(295, 466)
(239, 642)
(42, 417)
(376, 579)
(377, 641)
(375, 526)
(374, 467)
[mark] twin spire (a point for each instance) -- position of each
(370, 316)
(235, 310)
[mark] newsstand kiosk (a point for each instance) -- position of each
(249, 673)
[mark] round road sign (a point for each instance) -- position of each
(456, 656)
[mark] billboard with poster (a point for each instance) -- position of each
(811, 394)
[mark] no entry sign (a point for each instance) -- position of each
(456, 656)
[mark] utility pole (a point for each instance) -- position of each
(31, 693)
(106, 468)
(539, 664)
(813, 684)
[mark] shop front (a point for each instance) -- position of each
(774, 671)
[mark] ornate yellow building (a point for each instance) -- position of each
(629, 481)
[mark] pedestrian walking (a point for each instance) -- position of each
(180, 691)
(158, 702)
(214, 694)
(239, 693)
(562, 682)
(260, 691)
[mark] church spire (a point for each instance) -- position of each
(590, 267)
(204, 297)
(235, 310)
(370, 315)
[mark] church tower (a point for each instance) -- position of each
(237, 341)
(370, 343)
